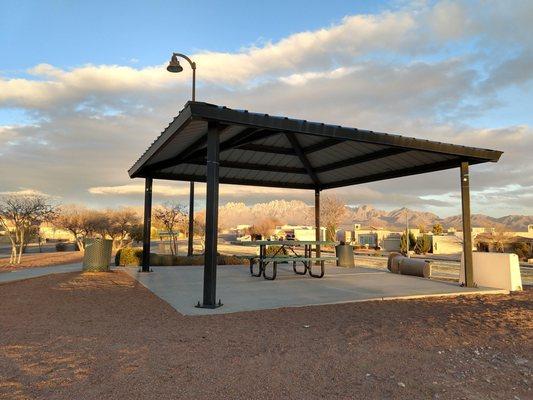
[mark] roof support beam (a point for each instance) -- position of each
(303, 158)
(232, 181)
(289, 151)
(420, 169)
(254, 167)
(324, 144)
(249, 135)
(267, 149)
(175, 160)
(391, 151)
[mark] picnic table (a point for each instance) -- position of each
(286, 253)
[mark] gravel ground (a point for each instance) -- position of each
(103, 336)
(42, 260)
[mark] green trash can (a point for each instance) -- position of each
(344, 253)
(97, 254)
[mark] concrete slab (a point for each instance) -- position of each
(181, 287)
(10, 276)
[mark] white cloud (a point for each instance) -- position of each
(182, 191)
(397, 71)
(25, 192)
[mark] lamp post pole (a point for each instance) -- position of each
(175, 67)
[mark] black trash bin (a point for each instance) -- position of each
(344, 253)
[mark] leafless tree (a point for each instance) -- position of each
(174, 219)
(120, 224)
(332, 212)
(264, 227)
(19, 215)
(81, 222)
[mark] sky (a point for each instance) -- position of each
(84, 90)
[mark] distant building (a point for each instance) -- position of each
(378, 238)
(446, 244)
(299, 232)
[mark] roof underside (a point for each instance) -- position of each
(261, 150)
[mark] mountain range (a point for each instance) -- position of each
(367, 215)
(299, 213)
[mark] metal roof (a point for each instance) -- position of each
(263, 150)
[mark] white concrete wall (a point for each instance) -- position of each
(495, 270)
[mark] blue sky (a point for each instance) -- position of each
(83, 87)
(70, 33)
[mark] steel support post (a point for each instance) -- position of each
(147, 224)
(467, 230)
(211, 219)
(317, 221)
(190, 244)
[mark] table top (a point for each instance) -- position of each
(284, 243)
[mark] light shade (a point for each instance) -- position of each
(174, 65)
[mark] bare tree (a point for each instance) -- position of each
(19, 215)
(174, 218)
(332, 212)
(199, 228)
(264, 227)
(82, 223)
(120, 224)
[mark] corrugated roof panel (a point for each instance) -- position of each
(386, 155)
(399, 161)
(179, 142)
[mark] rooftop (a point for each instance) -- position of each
(263, 150)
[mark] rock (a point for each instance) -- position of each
(521, 361)
(401, 384)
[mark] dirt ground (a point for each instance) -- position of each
(34, 260)
(103, 336)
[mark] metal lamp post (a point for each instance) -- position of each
(175, 67)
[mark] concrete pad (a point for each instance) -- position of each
(27, 273)
(182, 286)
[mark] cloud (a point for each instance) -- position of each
(24, 192)
(420, 70)
(229, 191)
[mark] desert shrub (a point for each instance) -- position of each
(61, 246)
(221, 260)
(66, 246)
(412, 242)
(423, 244)
(522, 250)
(271, 250)
(129, 256)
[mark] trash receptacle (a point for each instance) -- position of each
(344, 253)
(415, 266)
(97, 254)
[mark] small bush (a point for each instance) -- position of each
(522, 250)
(271, 250)
(61, 246)
(423, 244)
(66, 246)
(129, 256)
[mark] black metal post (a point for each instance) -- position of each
(467, 230)
(211, 219)
(190, 244)
(317, 221)
(147, 225)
